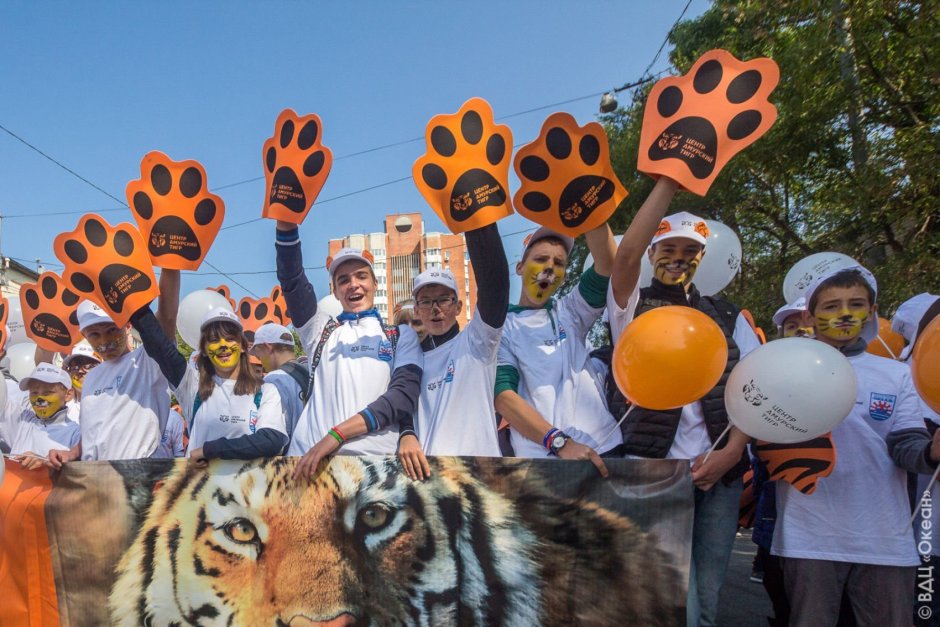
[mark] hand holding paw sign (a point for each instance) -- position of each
(694, 124)
(108, 265)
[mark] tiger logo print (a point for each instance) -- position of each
(228, 546)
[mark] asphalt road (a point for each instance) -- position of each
(743, 603)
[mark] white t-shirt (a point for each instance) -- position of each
(557, 376)
(225, 414)
(455, 409)
(171, 444)
(620, 317)
(355, 369)
(75, 408)
(17, 401)
(860, 512)
(124, 408)
(38, 436)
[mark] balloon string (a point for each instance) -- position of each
(887, 348)
(925, 495)
(616, 426)
(717, 442)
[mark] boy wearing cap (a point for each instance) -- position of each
(44, 426)
(365, 375)
(790, 322)
(78, 364)
(852, 533)
(675, 252)
(912, 317)
(274, 346)
(547, 387)
(455, 409)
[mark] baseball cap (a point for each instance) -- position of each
(90, 314)
(434, 276)
(542, 233)
(682, 224)
(47, 373)
(220, 314)
(347, 254)
(273, 333)
(82, 349)
(870, 330)
(907, 319)
(797, 306)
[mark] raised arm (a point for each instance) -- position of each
(168, 305)
(298, 291)
(636, 240)
(491, 270)
(600, 242)
(159, 345)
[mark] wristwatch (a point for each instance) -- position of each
(558, 442)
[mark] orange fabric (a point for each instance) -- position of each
(27, 583)
(568, 183)
(254, 312)
(177, 214)
(49, 313)
(694, 124)
(108, 265)
(800, 464)
(464, 175)
(296, 165)
(4, 314)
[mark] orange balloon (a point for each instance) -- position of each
(669, 357)
(925, 364)
(890, 341)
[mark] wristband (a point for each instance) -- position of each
(337, 436)
(547, 440)
(406, 432)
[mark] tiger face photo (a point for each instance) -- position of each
(241, 543)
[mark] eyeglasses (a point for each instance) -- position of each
(425, 304)
(80, 368)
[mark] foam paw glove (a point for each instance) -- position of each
(49, 313)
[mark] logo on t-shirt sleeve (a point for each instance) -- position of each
(385, 351)
(450, 372)
(881, 406)
(252, 420)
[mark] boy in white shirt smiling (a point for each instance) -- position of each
(44, 426)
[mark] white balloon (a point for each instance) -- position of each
(193, 309)
(807, 269)
(15, 323)
(790, 390)
(330, 306)
(722, 260)
(20, 359)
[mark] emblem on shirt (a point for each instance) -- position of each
(385, 350)
(252, 420)
(450, 372)
(562, 335)
(447, 378)
(881, 406)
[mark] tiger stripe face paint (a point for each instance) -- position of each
(676, 260)
(224, 354)
(844, 324)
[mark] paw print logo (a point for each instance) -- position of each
(296, 165)
(280, 305)
(568, 184)
(109, 265)
(49, 312)
(694, 124)
(752, 394)
(254, 312)
(464, 175)
(224, 291)
(175, 211)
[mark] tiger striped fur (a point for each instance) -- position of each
(243, 544)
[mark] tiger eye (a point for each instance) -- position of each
(241, 531)
(374, 516)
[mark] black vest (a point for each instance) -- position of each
(650, 432)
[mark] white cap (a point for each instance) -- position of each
(682, 224)
(89, 314)
(908, 317)
(870, 330)
(47, 373)
(347, 254)
(220, 314)
(82, 349)
(435, 276)
(273, 333)
(543, 232)
(797, 306)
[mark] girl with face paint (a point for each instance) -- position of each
(231, 414)
(44, 425)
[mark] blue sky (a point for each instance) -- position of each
(98, 85)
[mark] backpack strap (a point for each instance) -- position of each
(299, 373)
(258, 399)
(331, 325)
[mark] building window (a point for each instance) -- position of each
(379, 265)
(446, 256)
(466, 256)
(381, 293)
(433, 251)
(433, 264)
(378, 252)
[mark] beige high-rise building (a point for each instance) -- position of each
(403, 251)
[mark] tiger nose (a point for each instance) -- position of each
(339, 621)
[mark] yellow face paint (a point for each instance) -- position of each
(77, 382)
(541, 280)
(46, 405)
(675, 271)
(111, 342)
(224, 354)
(794, 327)
(842, 325)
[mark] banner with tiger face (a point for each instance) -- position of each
(483, 541)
